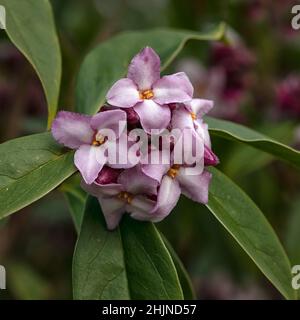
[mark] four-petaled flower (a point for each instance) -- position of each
(147, 93)
(86, 134)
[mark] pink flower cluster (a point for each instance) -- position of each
(147, 190)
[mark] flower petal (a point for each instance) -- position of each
(167, 198)
(144, 68)
(152, 115)
(189, 148)
(174, 88)
(72, 129)
(113, 119)
(123, 94)
(199, 106)
(158, 163)
(195, 187)
(181, 118)
(123, 157)
(202, 130)
(85, 160)
(140, 208)
(113, 210)
(98, 190)
(136, 182)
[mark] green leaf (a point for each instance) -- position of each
(30, 26)
(30, 167)
(76, 198)
(238, 164)
(109, 61)
(185, 281)
(237, 132)
(131, 262)
(246, 223)
(292, 232)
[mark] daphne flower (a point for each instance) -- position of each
(189, 115)
(175, 182)
(147, 93)
(132, 193)
(83, 133)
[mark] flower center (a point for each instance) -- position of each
(173, 171)
(146, 94)
(98, 140)
(193, 115)
(125, 196)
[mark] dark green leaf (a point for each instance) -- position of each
(185, 281)
(76, 198)
(131, 262)
(237, 132)
(109, 61)
(246, 223)
(30, 167)
(30, 26)
(238, 163)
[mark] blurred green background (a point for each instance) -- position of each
(254, 80)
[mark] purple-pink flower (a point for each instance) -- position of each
(84, 133)
(147, 93)
(148, 186)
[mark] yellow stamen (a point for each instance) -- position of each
(125, 196)
(146, 94)
(173, 171)
(193, 115)
(98, 140)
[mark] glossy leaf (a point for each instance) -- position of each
(30, 167)
(30, 26)
(131, 262)
(246, 223)
(238, 164)
(185, 281)
(109, 61)
(237, 132)
(76, 199)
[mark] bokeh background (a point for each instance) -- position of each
(254, 80)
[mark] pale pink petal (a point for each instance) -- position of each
(167, 198)
(202, 130)
(195, 187)
(144, 68)
(199, 106)
(97, 190)
(158, 163)
(136, 182)
(124, 157)
(140, 208)
(123, 94)
(72, 129)
(85, 160)
(113, 210)
(114, 120)
(181, 118)
(174, 88)
(189, 148)
(153, 115)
